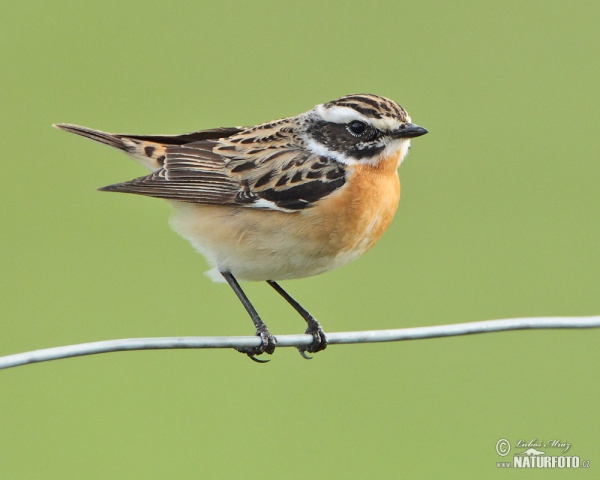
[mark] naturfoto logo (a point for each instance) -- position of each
(534, 457)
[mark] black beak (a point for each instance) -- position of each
(408, 130)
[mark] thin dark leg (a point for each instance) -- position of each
(268, 340)
(314, 327)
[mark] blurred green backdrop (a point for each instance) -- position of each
(498, 218)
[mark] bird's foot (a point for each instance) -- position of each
(319, 339)
(268, 343)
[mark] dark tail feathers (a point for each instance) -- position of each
(97, 135)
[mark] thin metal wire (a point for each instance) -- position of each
(338, 338)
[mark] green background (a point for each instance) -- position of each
(498, 218)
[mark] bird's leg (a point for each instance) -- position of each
(314, 327)
(268, 340)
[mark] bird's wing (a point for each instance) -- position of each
(260, 167)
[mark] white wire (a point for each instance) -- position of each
(339, 338)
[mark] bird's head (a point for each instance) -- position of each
(359, 129)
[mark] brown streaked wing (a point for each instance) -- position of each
(295, 181)
(266, 162)
(190, 174)
(274, 165)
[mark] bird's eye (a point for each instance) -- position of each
(356, 127)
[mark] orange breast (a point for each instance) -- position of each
(356, 216)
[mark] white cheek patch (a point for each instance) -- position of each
(395, 147)
(323, 151)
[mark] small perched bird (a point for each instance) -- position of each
(286, 199)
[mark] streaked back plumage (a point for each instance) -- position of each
(288, 164)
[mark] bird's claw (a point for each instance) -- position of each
(254, 359)
(304, 355)
(319, 341)
(268, 343)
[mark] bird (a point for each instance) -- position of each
(286, 199)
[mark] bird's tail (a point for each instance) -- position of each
(97, 135)
(150, 154)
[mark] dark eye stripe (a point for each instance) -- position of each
(368, 152)
(337, 137)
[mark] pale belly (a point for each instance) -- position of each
(258, 245)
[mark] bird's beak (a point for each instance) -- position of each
(408, 130)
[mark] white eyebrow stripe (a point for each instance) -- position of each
(339, 114)
(347, 115)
